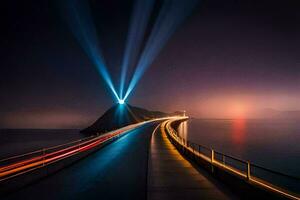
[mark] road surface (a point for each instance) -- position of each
(117, 171)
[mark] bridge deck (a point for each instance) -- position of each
(171, 176)
(117, 171)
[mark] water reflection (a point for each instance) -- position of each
(270, 143)
(238, 131)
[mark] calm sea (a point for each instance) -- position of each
(19, 141)
(274, 144)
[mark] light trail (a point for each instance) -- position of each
(63, 153)
(21, 166)
(136, 32)
(171, 15)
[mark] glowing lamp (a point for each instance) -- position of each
(121, 101)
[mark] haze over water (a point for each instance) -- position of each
(271, 143)
(19, 141)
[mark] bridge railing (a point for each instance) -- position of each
(21, 164)
(271, 180)
(41, 152)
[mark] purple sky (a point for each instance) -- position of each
(226, 60)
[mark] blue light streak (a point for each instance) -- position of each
(140, 16)
(80, 22)
(171, 15)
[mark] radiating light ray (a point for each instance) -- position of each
(172, 14)
(140, 16)
(78, 17)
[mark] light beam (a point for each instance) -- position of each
(77, 14)
(171, 15)
(141, 13)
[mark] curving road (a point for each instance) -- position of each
(118, 171)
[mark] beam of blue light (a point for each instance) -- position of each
(171, 15)
(78, 17)
(140, 16)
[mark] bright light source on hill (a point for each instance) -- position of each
(121, 101)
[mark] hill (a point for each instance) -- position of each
(121, 115)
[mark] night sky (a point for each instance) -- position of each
(229, 58)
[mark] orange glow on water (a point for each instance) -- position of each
(238, 131)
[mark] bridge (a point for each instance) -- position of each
(147, 160)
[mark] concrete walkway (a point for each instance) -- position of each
(171, 176)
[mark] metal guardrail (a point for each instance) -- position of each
(24, 163)
(263, 177)
(41, 152)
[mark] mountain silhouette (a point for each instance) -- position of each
(120, 115)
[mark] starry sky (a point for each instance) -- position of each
(228, 58)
